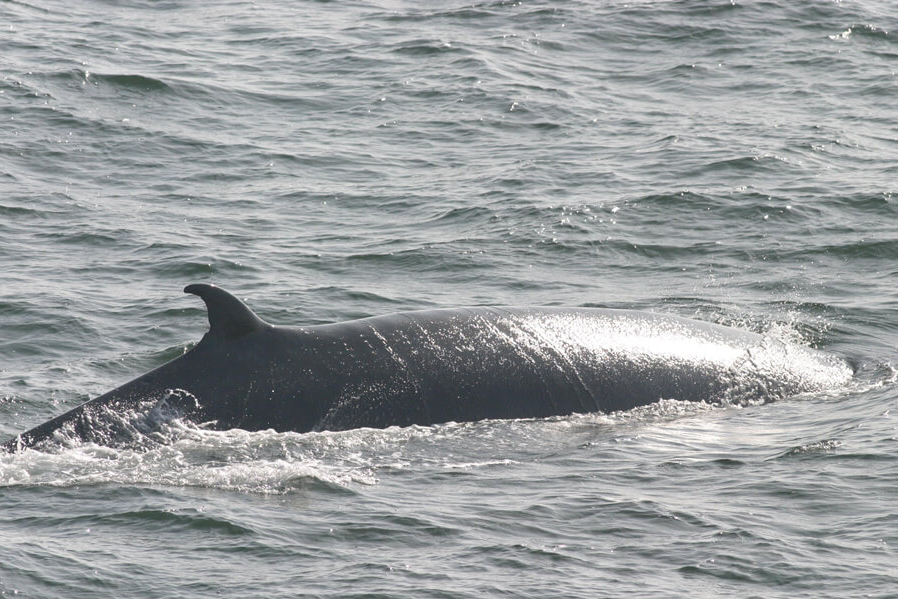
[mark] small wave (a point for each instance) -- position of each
(179, 520)
(478, 465)
(664, 409)
(11, 212)
(125, 81)
(863, 32)
(146, 519)
(468, 13)
(467, 216)
(141, 83)
(744, 164)
(810, 449)
(425, 48)
(865, 249)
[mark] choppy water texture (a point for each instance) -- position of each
(733, 162)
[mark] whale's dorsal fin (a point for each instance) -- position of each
(229, 318)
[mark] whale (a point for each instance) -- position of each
(447, 365)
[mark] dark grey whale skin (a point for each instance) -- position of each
(447, 365)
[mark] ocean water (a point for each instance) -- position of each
(732, 162)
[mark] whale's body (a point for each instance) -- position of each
(454, 365)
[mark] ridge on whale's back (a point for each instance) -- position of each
(461, 364)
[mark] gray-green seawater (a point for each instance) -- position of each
(733, 162)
